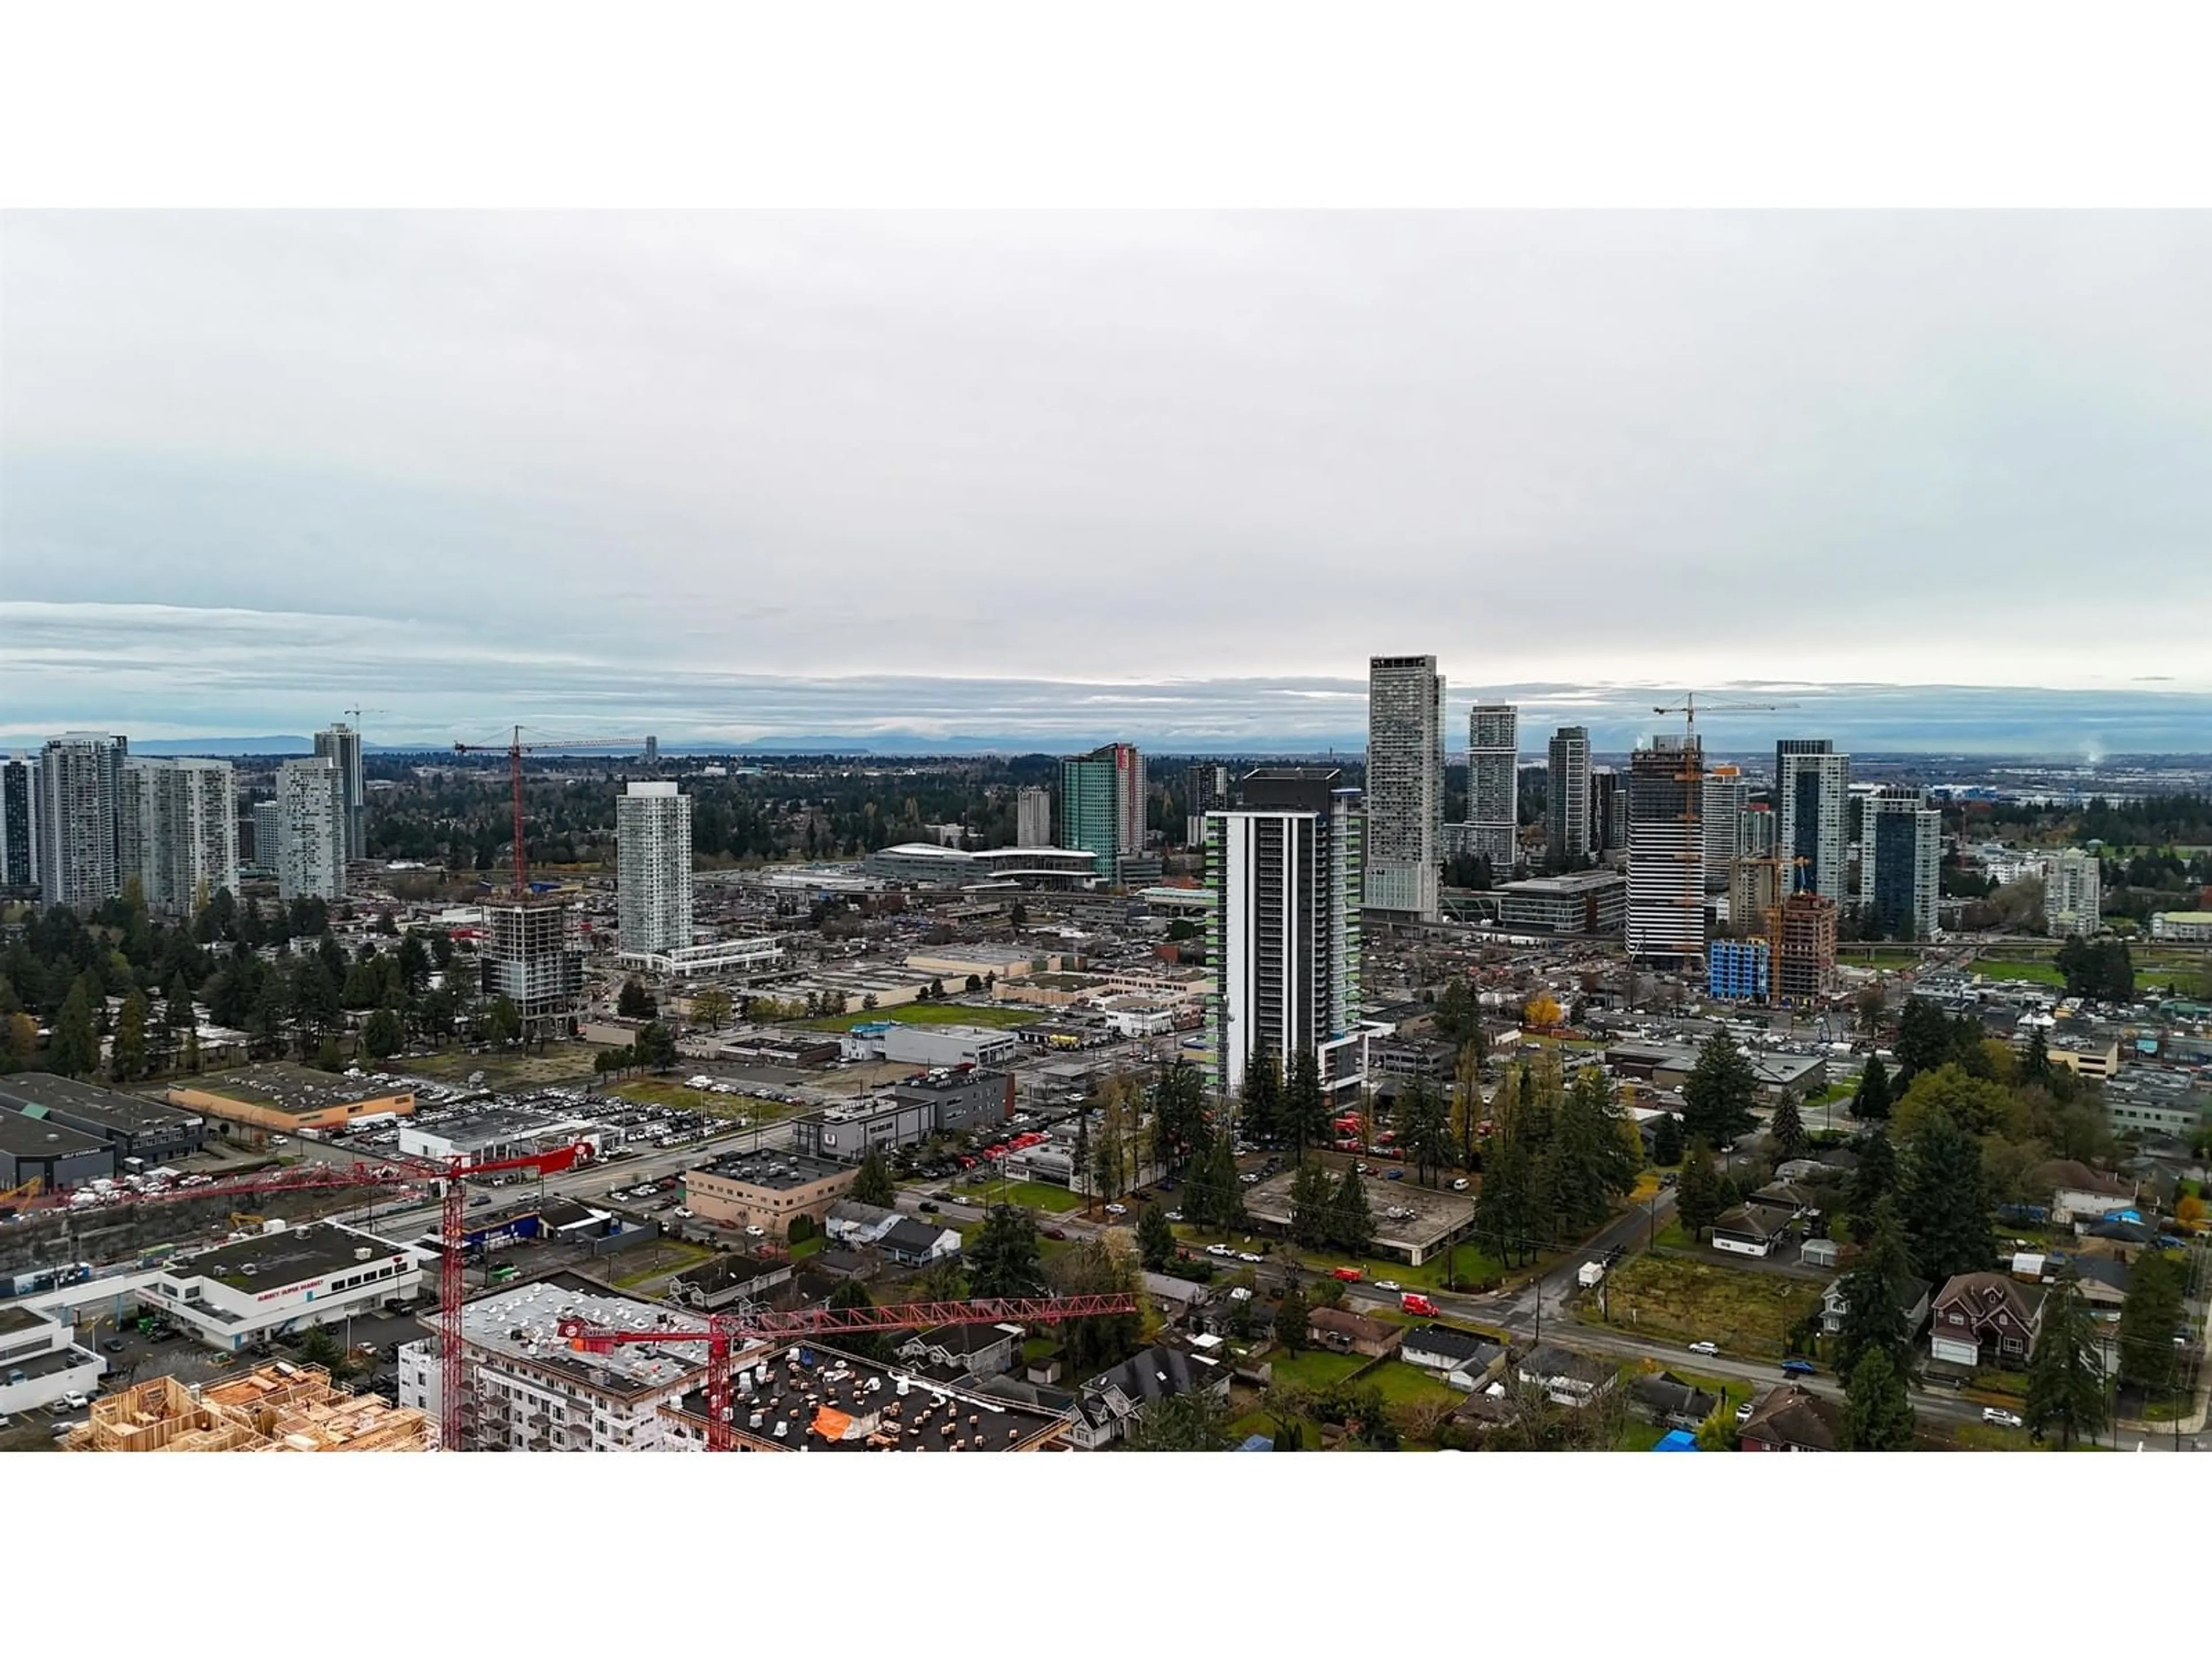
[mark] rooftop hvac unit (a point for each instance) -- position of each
(363, 1254)
(248, 1268)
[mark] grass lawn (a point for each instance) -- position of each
(929, 1013)
(1030, 1194)
(1878, 956)
(1038, 1348)
(1314, 1369)
(662, 1258)
(2042, 972)
(807, 1247)
(659, 1091)
(1473, 1267)
(1409, 1385)
(1637, 1435)
(1682, 1297)
(562, 1062)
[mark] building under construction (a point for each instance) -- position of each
(1804, 934)
(528, 958)
(278, 1407)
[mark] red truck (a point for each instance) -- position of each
(1349, 1275)
(1413, 1302)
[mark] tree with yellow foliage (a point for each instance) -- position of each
(1542, 1014)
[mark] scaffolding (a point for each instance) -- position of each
(277, 1408)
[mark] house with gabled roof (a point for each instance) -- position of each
(1789, 1418)
(1111, 1403)
(1984, 1319)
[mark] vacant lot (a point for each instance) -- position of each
(928, 1013)
(647, 1264)
(1028, 1194)
(1409, 1385)
(561, 1062)
(1682, 1297)
(2041, 973)
(1314, 1369)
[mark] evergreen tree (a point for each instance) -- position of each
(1871, 1102)
(1261, 1101)
(866, 1344)
(1155, 1240)
(1874, 1295)
(2152, 1313)
(1877, 1413)
(634, 1002)
(1291, 1320)
(1699, 1198)
(2065, 1377)
(1717, 1096)
(1788, 1128)
(1309, 1206)
(872, 1182)
(1467, 1105)
(1178, 1116)
(74, 1048)
(1305, 1107)
(1874, 1179)
(128, 1057)
(1002, 1256)
(1588, 1164)
(1944, 1203)
(1351, 1225)
(1665, 1140)
(1924, 1039)
(1423, 1124)
(2035, 1067)
(382, 1036)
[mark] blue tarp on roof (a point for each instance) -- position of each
(1677, 1440)
(1257, 1442)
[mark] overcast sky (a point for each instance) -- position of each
(745, 474)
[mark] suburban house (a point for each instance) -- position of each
(1566, 1378)
(1176, 1298)
(854, 1223)
(914, 1243)
(2103, 1281)
(1342, 1332)
(1751, 1229)
(1461, 1358)
(2079, 1193)
(1834, 1305)
(1825, 1165)
(1112, 1402)
(949, 1353)
(1789, 1418)
(1985, 1319)
(1785, 1196)
(722, 1279)
(1670, 1402)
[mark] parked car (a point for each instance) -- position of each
(1218, 1250)
(1250, 1256)
(1118, 1209)
(1708, 1349)
(2001, 1418)
(113, 1344)
(1387, 1284)
(1743, 1413)
(1175, 1215)
(1055, 1232)
(76, 1402)
(1800, 1368)
(1395, 1175)
(1460, 1184)
(1349, 1275)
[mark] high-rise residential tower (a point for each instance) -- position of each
(1609, 811)
(78, 836)
(268, 834)
(1493, 784)
(1204, 788)
(1727, 793)
(341, 744)
(652, 864)
(1284, 867)
(178, 824)
(1405, 799)
(1667, 852)
(19, 820)
(2071, 901)
(311, 861)
(1102, 804)
(1033, 817)
(1567, 799)
(1900, 861)
(1812, 806)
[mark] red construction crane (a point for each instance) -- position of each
(515, 750)
(397, 1171)
(722, 1330)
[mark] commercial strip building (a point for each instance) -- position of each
(2071, 900)
(1579, 902)
(1285, 869)
(929, 1045)
(283, 1280)
(1493, 785)
(747, 954)
(275, 1407)
(652, 864)
(1567, 796)
(924, 864)
(134, 1127)
(766, 1189)
(531, 1392)
(40, 1361)
(907, 1115)
(286, 1098)
(59, 1158)
(1900, 861)
(1666, 852)
(1405, 794)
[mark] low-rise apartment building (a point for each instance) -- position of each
(766, 1189)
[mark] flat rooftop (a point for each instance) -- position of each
(287, 1258)
(35, 1137)
(840, 1403)
(524, 1324)
(16, 1319)
(132, 1113)
(1435, 1212)
(297, 1089)
(772, 1171)
(1571, 884)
